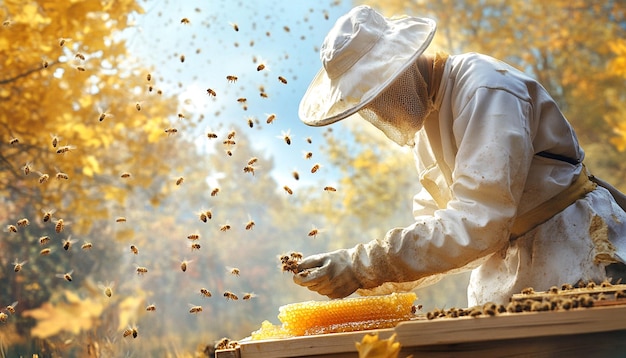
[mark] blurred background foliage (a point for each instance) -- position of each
(69, 76)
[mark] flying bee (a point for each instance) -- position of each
(229, 142)
(45, 252)
(195, 246)
(270, 118)
(107, 289)
(315, 168)
(233, 270)
(286, 28)
(62, 41)
(231, 134)
(55, 140)
(260, 67)
(27, 168)
(151, 307)
(171, 131)
(231, 78)
(193, 237)
(211, 135)
(230, 296)
(11, 228)
(248, 295)
(215, 192)
(183, 265)
(235, 26)
(3, 317)
(204, 217)
(43, 177)
(125, 175)
(286, 137)
(103, 115)
(314, 232)
(288, 190)
(211, 92)
(205, 293)
(308, 155)
(44, 240)
(182, 58)
(330, 188)
(66, 276)
(296, 255)
(250, 224)
(14, 140)
(67, 244)
(11, 307)
(60, 175)
(249, 169)
(252, 160)
(263, 95)
(17, 266)
(194, 308)
(250, 122)
(66, 148)
(86, 246)
(309, 140)
(180, 180)
(185, 21)
(242, 100)
(225, 227)
(81, 68)
(149, 77)
(131, 331)
(120, 219)
(181, 116)
(296, 175)
(141, 270)
(59, 226)
(138, 106)
(282, 80)
(134, 249)
(23, 222)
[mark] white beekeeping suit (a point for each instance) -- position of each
(504, 189)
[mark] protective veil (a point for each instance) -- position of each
(399, 111)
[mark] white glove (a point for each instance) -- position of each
(330, 274)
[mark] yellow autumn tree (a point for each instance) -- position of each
(82, 126)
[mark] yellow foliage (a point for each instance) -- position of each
(618, 64)
(372, 347)
(73, 316)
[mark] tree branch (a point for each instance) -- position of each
(27, 73)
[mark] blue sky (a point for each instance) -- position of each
(226, 38)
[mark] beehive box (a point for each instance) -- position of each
(596, 331)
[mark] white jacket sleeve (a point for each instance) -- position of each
(492, 134)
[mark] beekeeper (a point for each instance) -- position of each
(504, 191)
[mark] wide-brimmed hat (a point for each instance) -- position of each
(361, 55)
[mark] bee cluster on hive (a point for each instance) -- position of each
(345, 315)
(563, 298)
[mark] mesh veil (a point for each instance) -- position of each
(399, 111)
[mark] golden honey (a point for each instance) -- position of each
(346, 315)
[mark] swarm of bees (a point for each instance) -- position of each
(290, 262)
(68, 152)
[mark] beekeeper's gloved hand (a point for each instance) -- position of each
(330, 274)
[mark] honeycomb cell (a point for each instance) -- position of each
(346, 315)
